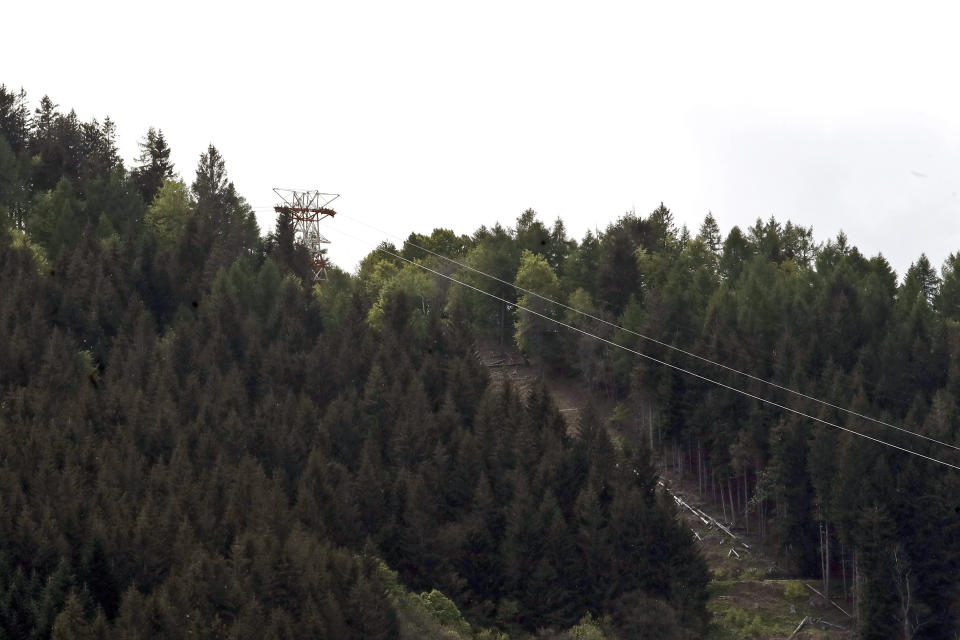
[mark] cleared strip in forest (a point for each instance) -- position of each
(655, 341)
(706, 518)
(658, 361)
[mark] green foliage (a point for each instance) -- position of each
(14, 118)
(794, 590)
(377, 269)
(497, 255)
(333, 297)
(20, 240)
(535, 335)
(14, 194)
(947, 298)
(588, 629)
(747, 626)
(411, 288)
(617, 277)
(443, 609)
(442, 241)
(430, 614)
(168, 212)
(56, 218)
(155, 167)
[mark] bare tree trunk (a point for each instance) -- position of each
(826, 574)
(843, 569)
(730, 498)
(759, 498)
(856, 586)
(680, 461)
(673, 455)
(723, 504)
(502, 305)
(650, 425)
(763, 518)
(901, 575)
(746, 514)
(659, 433)
(713, 483)
(699, 470)
(820, 544)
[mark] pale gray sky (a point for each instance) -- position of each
(425, 114)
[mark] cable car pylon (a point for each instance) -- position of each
(306, 209)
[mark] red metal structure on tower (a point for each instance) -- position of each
(306, 209)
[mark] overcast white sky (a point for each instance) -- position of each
(426, 114)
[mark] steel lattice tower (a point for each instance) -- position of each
(306, 210)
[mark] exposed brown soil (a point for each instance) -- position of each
(507, 364)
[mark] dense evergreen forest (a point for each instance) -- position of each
(196, 439)
(876, 525)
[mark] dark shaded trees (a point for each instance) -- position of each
(155, 166)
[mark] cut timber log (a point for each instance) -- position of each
(699, 513)
(799, 626)
(827, 623)
(828, 600)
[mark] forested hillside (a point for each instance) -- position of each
(817, 328)
(197, 441)
(876, 524)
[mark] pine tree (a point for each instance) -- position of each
(921, 280)
(71, 624)
(155, 166)
(14, 118)
(368, 612)
(661, 223)
(710, 234)
(617, 275)
(213, 191)
(947, 300)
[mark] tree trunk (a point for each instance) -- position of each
(746, 515)
(763, 517)
(826, 573)
(905, 593)
(843, 569)
(723, 504)
(650, 426)
(699, 470)
(679, 450)
(713, 483)
(759, 499)
(823, 562)
(659, 433)
(856, 588)
(733, 518)
(502, 304)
